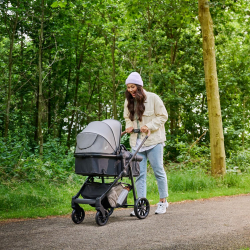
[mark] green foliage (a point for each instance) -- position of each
(18, 163)
(61, 4)
(83, 81)
(125, 141)
(197, 156)
(47, 197)
(239, 162)
(188, 157)
(80, 83)
(191, 181)
(40, 198)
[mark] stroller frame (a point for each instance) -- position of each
(141, 204)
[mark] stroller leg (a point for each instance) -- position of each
(132, 181)
(99, 206)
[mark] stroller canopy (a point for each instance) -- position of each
(100, 137)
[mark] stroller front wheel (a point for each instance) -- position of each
(100, 219)
(141, 208)
(78, 215)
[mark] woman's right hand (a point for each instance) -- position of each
(129, 130)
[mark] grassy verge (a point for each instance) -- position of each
(30, 200)
(44, 198)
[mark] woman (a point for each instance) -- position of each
(145, 111)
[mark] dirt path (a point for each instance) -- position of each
(219, 223)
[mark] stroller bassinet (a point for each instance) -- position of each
(98, 151)
(100, 156)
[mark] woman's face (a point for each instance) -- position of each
(132, 88)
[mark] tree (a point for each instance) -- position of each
(89, 48)
(12, 32)
(40, 88)
(218, 164)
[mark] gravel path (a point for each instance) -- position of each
(217, 223)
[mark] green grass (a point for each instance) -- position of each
(43, 198)
(193, 185)
(30, 200)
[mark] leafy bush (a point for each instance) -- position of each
(198, 157)
(19, 163)
(189, 157)
(125, 141)
(239, 161)
(11, 152)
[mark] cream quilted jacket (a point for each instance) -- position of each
(154, 117)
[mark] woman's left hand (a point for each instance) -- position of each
(144, 129)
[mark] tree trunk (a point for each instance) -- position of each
(244, 121)
(75, 98)
(99, 99)
(12, 37)
(113, 75)
(74, 111)
(50, 94)
(22, 81)
(149, 50)
(218, 163)
(36, 115)
(40, 91)
(173, 106)
(202, 111)
(65, 104)
(78, 68)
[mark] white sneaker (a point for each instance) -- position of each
(132, 213)
(161, 208)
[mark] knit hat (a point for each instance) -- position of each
(134, 78)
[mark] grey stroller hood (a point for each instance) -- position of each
(99, 137)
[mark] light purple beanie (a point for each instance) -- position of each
(134, 78)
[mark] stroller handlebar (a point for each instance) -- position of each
(136, 131)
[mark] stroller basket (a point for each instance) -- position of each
(94, 190)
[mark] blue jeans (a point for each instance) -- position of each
(155, 157)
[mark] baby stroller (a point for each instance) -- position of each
(100, 156)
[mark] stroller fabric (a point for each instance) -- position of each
(98, 151)
(100, 137)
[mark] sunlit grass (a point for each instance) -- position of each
(43, 198)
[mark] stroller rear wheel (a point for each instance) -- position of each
(100, 219)
(141, 208)
(78, 215)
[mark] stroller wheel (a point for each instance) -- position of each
(100, 219)
(78, 215)
(141, 208)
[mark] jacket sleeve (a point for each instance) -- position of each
(129, 123)
(161, 115)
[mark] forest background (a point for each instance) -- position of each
(64, 63)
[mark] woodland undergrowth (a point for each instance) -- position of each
(33, 186)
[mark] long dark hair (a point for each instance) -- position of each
(140, 98)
